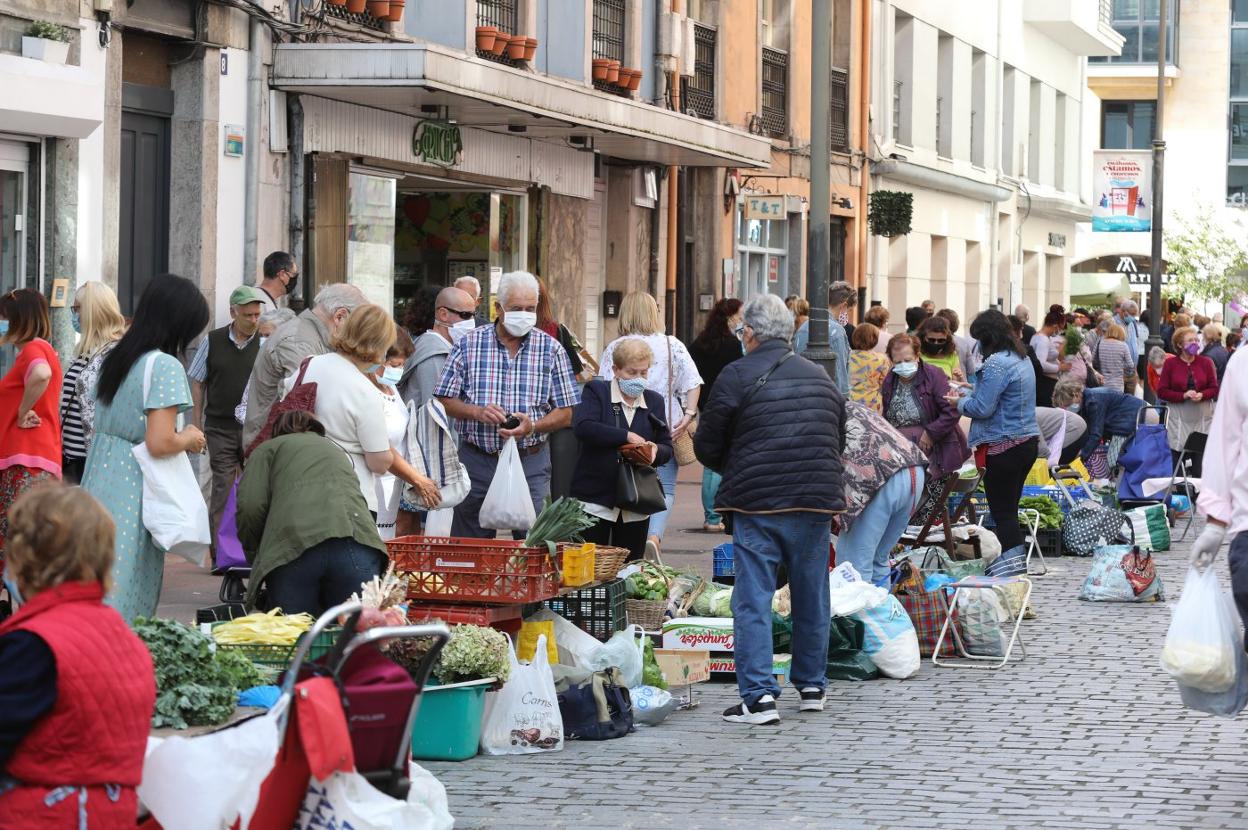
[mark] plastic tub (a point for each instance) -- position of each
(448, 722)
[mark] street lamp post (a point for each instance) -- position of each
(1159, 167)
(820, 228)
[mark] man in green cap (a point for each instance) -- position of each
(219, 374)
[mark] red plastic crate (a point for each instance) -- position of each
(418, 612)
(495, 571)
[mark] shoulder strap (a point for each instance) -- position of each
(147, 377)
(762, 380)
(303, 368)
(671, 373)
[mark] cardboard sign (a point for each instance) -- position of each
(681, 667)
(710, 633)
(727, 664)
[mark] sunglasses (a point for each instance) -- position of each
(463, 315)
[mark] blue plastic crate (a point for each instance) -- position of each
(721, 560)
(1055, 493)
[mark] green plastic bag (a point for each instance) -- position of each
(781, 634)
(846, 659)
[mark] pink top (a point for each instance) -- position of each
(39, 447)
(1223, 485)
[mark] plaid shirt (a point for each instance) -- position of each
(536, 381)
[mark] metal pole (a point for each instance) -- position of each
(820, 228)
(1159, 167)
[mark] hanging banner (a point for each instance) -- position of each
(1122, 189)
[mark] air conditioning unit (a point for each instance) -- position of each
(687, 49)
(671, 33)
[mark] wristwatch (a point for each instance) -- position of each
(691, 412)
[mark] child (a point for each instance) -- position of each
(77, 687)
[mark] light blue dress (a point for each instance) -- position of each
(113, 476)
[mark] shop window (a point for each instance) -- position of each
(1127, 125)
(370, 236)
(1237, 171)
(699, 92)
(775, 91)
(762, 255)
(1138, 21)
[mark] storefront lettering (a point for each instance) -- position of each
(437, 142)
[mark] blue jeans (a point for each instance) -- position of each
(710, 487)
(760, 544)
(323, 576)
(872, 536)
(667, 476)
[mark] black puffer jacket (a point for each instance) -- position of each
(783, 452)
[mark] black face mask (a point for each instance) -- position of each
(294, 281)
(934, 347)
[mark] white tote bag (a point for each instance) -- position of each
(174, 510)
(508, 504)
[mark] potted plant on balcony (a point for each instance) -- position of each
(530, 48)
(613, 72)
(486, 35)
(379, 9)
(625, 73)
(46, 42)
(600, 68)
(337, 2)
(515, 47)
(634, 80)
(396, 11)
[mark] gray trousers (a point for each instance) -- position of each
(481, 466)
(225, 459)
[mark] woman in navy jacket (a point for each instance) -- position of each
(615, 415)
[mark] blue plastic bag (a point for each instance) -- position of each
(1108, 578)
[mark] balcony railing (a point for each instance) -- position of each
(839, 113)
(359, 18)
(775, 91)
(608, 39)
(700, 91)
(501, 14)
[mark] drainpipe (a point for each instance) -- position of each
(654, 211)
(864, 136)
(673, 206)
(294, 111)
(251, 187)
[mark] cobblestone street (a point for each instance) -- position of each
(1086, 733)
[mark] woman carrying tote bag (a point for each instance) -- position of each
(619, 422)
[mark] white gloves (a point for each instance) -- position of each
(1205, 548)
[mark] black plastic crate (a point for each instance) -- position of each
(597, 611)
(1049, 541)
(224, 612)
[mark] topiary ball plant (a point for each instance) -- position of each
(890, 212)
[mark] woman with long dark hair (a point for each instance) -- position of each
(717, 345)
(564, 447)
(136, 406)
(1004, 433)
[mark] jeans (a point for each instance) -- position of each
(1004, 476)
(1237, 557)
(323, 576)
(761, 543)
(667, 477)
(481, 467)
(620, 534)
(225, 459)
(873, 534)
(710, 487)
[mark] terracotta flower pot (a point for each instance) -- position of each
(530, 48)
(600, 68)
(613, 72)
(356, 6)
(634, 80)
(622, 79)
(500, 43)
(486, 35)
(396, 11)
(379, 9)
(337, 2)
(515, 47)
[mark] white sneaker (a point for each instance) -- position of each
(762, 712)
(812, 700)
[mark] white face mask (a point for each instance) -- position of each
(519, 323)
(460, 329)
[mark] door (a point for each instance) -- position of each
(595, 276)
(144, 220)
(14, 158)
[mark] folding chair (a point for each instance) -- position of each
(955, 486)
(1031, 520)
(984, 583)
(1187, 470)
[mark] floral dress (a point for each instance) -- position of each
(113, 476)
(867, 371)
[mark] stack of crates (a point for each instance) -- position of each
(598, 611)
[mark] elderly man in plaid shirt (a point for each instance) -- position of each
(508, 368)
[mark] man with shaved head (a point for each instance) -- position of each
(452, 319)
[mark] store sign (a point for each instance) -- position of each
(437, 142)
(773, 269)
(764, 207)
(1123, 191)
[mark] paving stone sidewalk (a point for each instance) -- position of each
(1086, 733)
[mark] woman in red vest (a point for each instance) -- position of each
(77, 688)
(30, 394)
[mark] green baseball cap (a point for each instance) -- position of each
(245, 294)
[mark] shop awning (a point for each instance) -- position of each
(404, 78)
(1098, 290)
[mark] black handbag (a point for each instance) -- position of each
(637, 487)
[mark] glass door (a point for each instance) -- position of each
(13, 182)
(509, 232)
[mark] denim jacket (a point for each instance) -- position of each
(1003, 403)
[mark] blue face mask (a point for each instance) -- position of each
(11, 586)
(391, 375)
(372, 368)
(1074, 407)
(906, 368)
(4, 327)
(632, 387)
(75, 321)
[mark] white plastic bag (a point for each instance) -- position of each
(524, 717)
(981, 615)
(346, 799)
(848, 593)
(508, 504)
(651, 705)
(174, 510)
(438, 522)
(185, 785)
(576, 648)
(626, 651)
(889, 638)
(1200, 646)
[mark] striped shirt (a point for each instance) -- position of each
(479, 371)
(73, 437)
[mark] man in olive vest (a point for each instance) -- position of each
(219, 376)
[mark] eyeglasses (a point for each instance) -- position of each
(463, 315)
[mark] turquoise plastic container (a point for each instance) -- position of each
(448, 723)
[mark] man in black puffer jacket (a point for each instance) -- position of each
(774, 428)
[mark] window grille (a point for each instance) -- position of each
(775, 91)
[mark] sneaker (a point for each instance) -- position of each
(812, 700)
(764, 711)
(652, 551)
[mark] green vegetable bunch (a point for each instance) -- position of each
(1074, 340)
(560, 521)
(651, 674)
(472, 654)
(652, 582)
(197, 684)
(1050, 513)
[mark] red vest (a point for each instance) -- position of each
(105, 692)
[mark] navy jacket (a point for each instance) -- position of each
(783, 451)
(601, 435)
(1108, 413)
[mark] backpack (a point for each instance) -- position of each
(595, 706)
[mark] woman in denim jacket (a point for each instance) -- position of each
(1004, 433)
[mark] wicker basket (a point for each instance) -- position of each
(647, 613)
(608, 562)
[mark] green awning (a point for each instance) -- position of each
(1098, 289)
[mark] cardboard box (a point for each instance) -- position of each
(727, 664)
(706, 633)
(681, 667)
